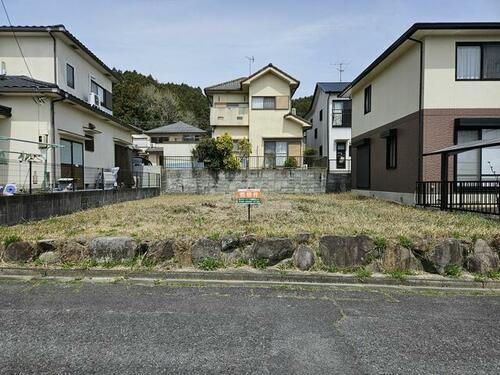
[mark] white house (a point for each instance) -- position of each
(57, 97)
(330, 117)
(171, 143)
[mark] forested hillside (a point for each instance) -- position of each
(144, 102)
(302, 105)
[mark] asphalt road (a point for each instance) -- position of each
(55, 328)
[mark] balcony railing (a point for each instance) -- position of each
(229, 115)
(471, 196)
(341, 118)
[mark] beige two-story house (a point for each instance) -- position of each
(438, 85)
(258, 107)
(60, 109)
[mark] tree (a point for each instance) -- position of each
(143, 101)
(302, 105)
(217, 153)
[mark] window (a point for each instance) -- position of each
(368, 99)
(70, 76)
(320, 151)
(391, 150)
(478, 61)
(337, 112)
(89, 143)
(105, 97)
(341, 147)
(263, 102)
(316, 133)
(321, 115)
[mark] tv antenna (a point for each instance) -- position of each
(340, 68)
(251, 60)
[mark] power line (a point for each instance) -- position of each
(17, 40)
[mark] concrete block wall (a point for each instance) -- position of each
(20, 208)
(202, 181)
(338, 182)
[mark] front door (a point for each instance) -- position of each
(341, 154)
(72, 162)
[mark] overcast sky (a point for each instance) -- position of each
(203, 42)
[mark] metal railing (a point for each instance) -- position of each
(251, 162)
(31, 177)
(470, 196)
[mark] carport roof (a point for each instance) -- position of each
(457, 149)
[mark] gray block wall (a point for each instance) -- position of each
(20, 208)
(202, 181)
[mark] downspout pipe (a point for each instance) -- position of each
(420, 113)
(53, 131)
(328, 132)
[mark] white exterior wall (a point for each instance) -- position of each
(441, 90)
(395, 93)
(177, 148)
(39, 53)
(322, 139)
(70, 119)
(83, 72)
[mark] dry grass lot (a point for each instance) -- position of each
(280, 215)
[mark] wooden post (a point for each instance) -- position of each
(249, 212)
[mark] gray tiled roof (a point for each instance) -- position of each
(178, 127)
(23, 82)
(234, 84)
(333, 86)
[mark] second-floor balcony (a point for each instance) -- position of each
(229, 115)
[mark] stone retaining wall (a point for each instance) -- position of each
(202, 181)
(20, 208)
(446, 256)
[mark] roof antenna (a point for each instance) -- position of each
(251, 60)
(340, 67)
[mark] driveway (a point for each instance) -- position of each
(125, 328)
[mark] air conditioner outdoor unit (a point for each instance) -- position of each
(94, 99)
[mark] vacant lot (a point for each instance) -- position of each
(279, 215)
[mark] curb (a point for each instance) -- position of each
(241, 277)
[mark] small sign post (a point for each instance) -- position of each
(249, 197)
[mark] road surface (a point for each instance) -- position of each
(125, 328)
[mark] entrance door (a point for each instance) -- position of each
(72, 162)
(363, 166)
(341, 149)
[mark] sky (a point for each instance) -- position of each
(204, 42)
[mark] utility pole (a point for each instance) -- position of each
(251, 60)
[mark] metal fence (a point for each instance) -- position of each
(251, 162)
(470, 196)
(30, 177)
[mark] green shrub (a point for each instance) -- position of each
(11, 239)
(400, 275)
(405, 242)
(210, 264)
(260, 263)
(241, 262)
(310, 152)
(380, 244)
(480, 278)
(494, 275)
(453, 270)
(291, 162)
(363, 273)
(332, 268)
